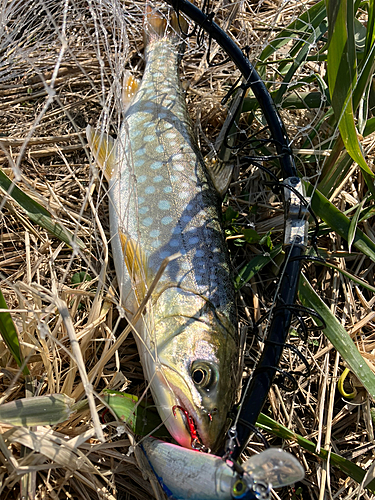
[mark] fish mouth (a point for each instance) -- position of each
(187, 410)
(184, 411)
(196, 444)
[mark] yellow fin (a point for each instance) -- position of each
(136, 262)
(179, 24)
(154, 24)
(103, 148)
(130, 87)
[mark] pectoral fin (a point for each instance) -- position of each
(103, 147)
(136, 261)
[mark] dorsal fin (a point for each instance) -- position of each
(220, 173)
(103, 147)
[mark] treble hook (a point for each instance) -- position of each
(195, 443)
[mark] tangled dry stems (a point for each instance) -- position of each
(62, 68)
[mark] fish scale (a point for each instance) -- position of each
(162, 201)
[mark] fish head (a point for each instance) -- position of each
(197, 374)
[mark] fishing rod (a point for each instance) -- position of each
(297, 210)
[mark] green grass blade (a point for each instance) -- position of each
(9, 334)
(357, 473)
(338, 336)
(38, 214)
(370, 34)
(341, 58)
(353, 225)
(353, 278)
(298, 60)
(141, 419)
(310, 19)
(342, 77)
(315, 131)
(254, 266)
(367, 213)
(365, 77)
(370, 127)
(332, 176)
(367, 63)
(339, 223)
(40, 410)
(298, 100)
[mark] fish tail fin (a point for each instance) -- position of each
(179, 24)
(154, 24)
(157, 26)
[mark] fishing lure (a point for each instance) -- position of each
(187, 474)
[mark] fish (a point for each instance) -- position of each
(165, 210)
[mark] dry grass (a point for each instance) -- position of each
(61, 67)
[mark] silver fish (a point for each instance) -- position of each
(163, 202)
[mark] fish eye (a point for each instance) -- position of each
(202, 374)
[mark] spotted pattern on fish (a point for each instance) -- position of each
(172, 185)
